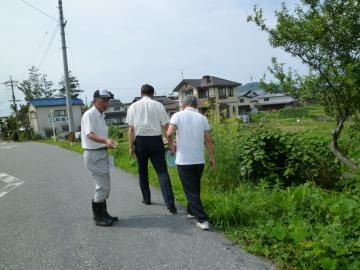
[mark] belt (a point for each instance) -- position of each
(102, 148)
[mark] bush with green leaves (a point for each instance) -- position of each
(303, 227)
(117, 133)
(245, 153)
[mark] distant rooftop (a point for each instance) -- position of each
(253, 86)
(206, 81)
(49, 102)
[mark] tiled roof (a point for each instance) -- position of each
(206, 81)
(49, 102)
(115, 103)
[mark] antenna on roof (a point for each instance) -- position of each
(182, 73)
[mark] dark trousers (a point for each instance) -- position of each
(152, 147)
(190, 176)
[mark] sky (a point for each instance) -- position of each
(120, 44)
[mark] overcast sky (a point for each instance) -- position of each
(120, 45)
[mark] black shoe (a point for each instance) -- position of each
(99, 214)
(172, 209)
(107, 215)
(146, 202)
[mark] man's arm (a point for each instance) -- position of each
(131, 136)
(94, 137)
(170, 137)
(210, 147)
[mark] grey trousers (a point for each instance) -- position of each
(97, 163)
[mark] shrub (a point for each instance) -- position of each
(304, 226)
(116, 132)
(245, 153)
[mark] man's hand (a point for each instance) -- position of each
(173, 147)
(132, 151)
(110, 143)
(212, 162)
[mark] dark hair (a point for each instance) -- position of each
(147, 90)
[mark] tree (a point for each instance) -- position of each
(36, 86)
(325, 35)
(47, 91)
(303, 88)
(74, 87)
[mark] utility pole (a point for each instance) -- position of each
(66, 75)
(11, 82)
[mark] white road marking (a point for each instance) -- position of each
(11, 183)
(5, 145)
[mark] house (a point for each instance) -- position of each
(115, 114)
(244, 101)
(245, 93)
(44, 113)
(211, 91)
(272, 101)
(171, 104)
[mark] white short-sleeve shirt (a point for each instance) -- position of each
(147, 116)
(191, 126)
(93, 121)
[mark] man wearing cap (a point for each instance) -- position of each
(95, 142)
(147, 120)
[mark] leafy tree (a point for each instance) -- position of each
(23, 119)
(325, 35)
(303, 88)
(36, 86)
(47, 91)
(74, 87)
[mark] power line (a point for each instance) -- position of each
(49, 46)
(38, 47)
(32, 6)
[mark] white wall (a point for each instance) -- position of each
(44, 119)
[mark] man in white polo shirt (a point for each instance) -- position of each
(147, 120)
(192, 131)
(95, 142)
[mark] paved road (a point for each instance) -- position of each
(45, 221)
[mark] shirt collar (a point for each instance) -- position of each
(146, 97)
(190, 108)
(98, 112)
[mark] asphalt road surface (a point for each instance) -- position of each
(46, 221)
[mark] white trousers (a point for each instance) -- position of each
(97, 163)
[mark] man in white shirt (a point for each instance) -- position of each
(147, 120)
(95, 142)
(192, 131)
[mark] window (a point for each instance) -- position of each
(222, 92)
(204, 93)
(230, 92)
(59, 113)
(234, 110)
(241, 100)
(266, 99)
(32, 115)
(189, 92)
(116, 108)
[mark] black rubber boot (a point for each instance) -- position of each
(99, 209)
(107, 215)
